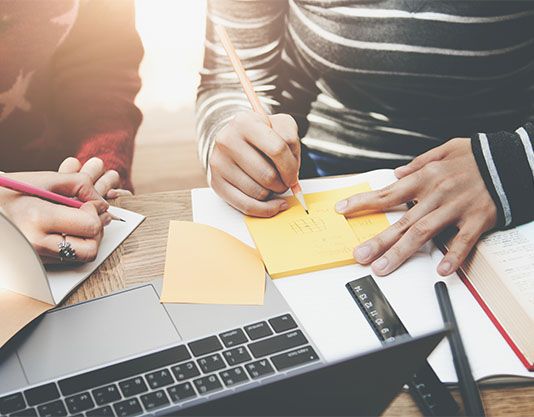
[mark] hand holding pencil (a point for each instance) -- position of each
(58, 231)
(255, 156)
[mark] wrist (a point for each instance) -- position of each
(505, 168)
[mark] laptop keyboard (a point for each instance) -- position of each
(173, 376)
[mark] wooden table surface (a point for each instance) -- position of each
(142, 256)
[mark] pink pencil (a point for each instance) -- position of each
(24, 188)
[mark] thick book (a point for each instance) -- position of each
(499, 272)
(494, 315)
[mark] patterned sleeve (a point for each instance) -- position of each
(506, 162)
(256, 29)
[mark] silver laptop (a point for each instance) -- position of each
(128, 354)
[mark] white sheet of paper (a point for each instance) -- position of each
(63, 280)
(336, 324)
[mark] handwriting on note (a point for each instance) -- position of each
(294, 242)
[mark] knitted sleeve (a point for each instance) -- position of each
(506, 162)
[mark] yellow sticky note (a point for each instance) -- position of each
(294, 242)
(205, 265)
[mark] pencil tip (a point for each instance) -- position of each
(122, 220)
(307, 212)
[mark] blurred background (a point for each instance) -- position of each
(172, 32)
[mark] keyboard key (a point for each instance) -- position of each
(129, 407)
(258, 330)
(233, 376)
(211, 363)
(79, 402)
(133, 386)
(204, 346)
(159, 378)
(12, 403)
(294, 358)
(155, 400)
(106, 411)
(181, 392)
(106, 395)
(29, 412)
(283, 323)
(237, 355)
(259, 369)
(123, 370)
(185, 371)
(207, 384)
(277, 343)
(53, 409)
(233, 338)
(42, 394)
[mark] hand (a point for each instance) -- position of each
(251, 162)
(449, 191)
(44, 223)
(106, 182)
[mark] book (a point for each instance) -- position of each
(499, 272)
(28, 289)
(320, 300)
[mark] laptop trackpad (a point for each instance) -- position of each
(97, 332)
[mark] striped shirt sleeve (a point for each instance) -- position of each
(256, 29)
(506, 162)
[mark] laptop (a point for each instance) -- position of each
(127, 354)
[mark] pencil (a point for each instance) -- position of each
(252, 97)
(29, 189)
(468, 387)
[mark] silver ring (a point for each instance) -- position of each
(66, 251)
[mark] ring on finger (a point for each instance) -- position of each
(66, 252)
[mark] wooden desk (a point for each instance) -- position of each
(142, 256)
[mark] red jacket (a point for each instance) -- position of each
(68, 79)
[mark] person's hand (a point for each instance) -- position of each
(46, 224)
(448, 190)
(105, 182)
(251, 162)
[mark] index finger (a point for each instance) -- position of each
(271, 144)
(393, 195)
(82, 222)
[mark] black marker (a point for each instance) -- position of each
(468, 387)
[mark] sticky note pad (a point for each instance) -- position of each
(294, 242)
(205, 265)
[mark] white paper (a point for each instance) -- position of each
(21, 270)
(63, 280)
(336, 324)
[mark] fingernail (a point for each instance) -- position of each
(363, 252)
(381, 264)
(107, 221)
(284, 206)
(445, 268)
(341, 206)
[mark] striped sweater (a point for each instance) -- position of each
(380, 82)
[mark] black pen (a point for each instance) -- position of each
(468, 387)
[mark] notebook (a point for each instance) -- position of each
(27, 289)
(328, 313)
